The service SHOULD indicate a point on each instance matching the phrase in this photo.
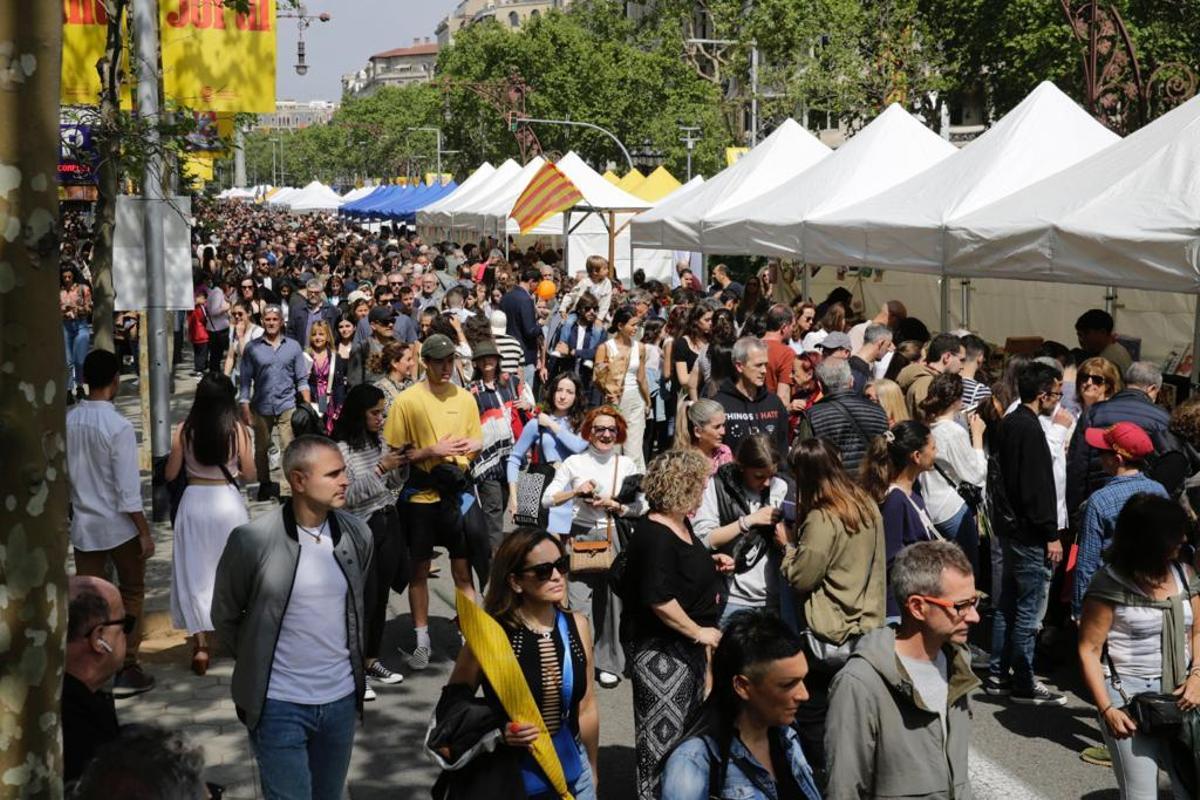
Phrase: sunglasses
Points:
(1099, 380)
(544, 571)
(599, 429)
(127, 623)
(960, 608)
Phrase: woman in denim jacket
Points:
(740, 743)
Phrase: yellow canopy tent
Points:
(611, 177)
(658, 184)
(631, 181)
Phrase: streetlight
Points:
(304, 19)
(690, 140)
(515, 122)
(647, 156)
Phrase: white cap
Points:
(499, 322)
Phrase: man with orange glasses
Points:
(899, 721)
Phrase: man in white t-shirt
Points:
(288, 600)
(899, 717)
(109, 522)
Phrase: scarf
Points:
(1109, 587)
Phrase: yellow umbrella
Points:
(489, 643)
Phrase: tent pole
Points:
(1195, 376)
(804, 271)
(566, 244)
(945, 315)
(612, 243)
(1110, 300)
(966, 304)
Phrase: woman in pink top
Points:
(214, 448)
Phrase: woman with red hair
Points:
(592, 480)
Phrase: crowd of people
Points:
(780, 522)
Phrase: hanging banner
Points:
(213, 133)
(198, 166)
(85, 31)
(215, 59)
(77, 155)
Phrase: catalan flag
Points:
(548, 193)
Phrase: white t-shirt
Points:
(1135, 639)
(931, 681)
(312, 656)
(102, 461)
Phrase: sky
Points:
(358, 29)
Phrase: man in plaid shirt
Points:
(1123, 449)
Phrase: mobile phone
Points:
(788, 507)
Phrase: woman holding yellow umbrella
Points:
(535, 666)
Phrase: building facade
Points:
(510, 13)
(402, 66)
(292, 115)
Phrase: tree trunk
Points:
(108, 144)
(33, 470)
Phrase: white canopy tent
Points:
(455, 214)
(665, 260)
(281, 197)
(891, 149)
(903, 227)
(681, 222)
(489, 213)
(438, 213)
(357, 193)
(1128, 216)
(316, 196)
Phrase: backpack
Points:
(1172, 469)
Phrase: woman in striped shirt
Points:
(375, 474)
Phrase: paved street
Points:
(1018, 752)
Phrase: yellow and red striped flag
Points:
(548, 193)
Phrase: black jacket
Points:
(460, 723)
(762, 414)
(523, 326)
(862, 372)
(1027, 474)
(89, 720)
(833, 419)
(1084, 473)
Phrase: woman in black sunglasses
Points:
(526, 589)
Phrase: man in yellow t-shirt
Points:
(434, 422)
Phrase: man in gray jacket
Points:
(288, 601)
(899, 720)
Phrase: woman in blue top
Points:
(889, 473)
(553, 431)
(740, 741)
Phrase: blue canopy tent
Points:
(407, 209)
(358, 207)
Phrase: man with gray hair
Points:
(749, 407)
(1136, 403)
(842, 417)
(146, 762)
(899, 720)
(876, 343)
(288, 600)
(315, 310)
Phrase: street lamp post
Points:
(526, 120)
(690, 140)
(303, 20)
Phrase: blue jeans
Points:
(1015, 624)
(732, 607)
(77, 337)
(584, 788)
(1137, 760)
(963, 529)
(303, 751)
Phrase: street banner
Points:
(129, 254)
(78, 159)
(548, 193)
(198, 166)
(215, 59)
(85, 31)
(213, 133)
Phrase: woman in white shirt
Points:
(960, 460)
(591, 480)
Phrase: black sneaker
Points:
(381, 674)
(132, 681)
(1039, 695)
(997, 687)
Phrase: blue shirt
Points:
(1097, 524)
(555, 447)
(277, 374)
(686, 776)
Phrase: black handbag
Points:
(971, 494)
(1155, 714)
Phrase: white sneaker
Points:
(419, 659)
(607, 680)
(369, 694)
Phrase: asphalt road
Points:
(1017, 752)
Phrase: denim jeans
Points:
(732, 607)
(585, 787)
(963, 530)
(303, 751)
(77, 337)
(1137, 760)
(1015, 625)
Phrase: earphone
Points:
(107, 647)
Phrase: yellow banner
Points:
(85, 31)
(432, 177)
(734, 154)
(198, 167)
(217, 60)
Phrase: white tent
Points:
(357, 193)
(488, 212)
(236, 193)
(454, 215)
(662, 266)
(892, 148)
(280, 197)
(438, 212)
(903, 227)
(1127, 216)
(681, 222)
(316, 196)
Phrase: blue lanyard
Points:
(568, 668)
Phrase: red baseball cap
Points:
(1124, 438)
